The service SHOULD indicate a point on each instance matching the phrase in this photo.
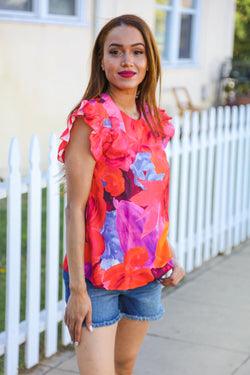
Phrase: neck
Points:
(125, 101)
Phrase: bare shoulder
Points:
(80, 131)
(79, 143)
(79, 163)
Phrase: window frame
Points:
(176, 11)
(41, 15)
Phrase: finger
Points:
(78, 331)
(88, 321)
(166, 283)
(71, 328)
(176, 276)
(66, 320)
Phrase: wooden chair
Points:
(183, 100)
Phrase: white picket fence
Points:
(36, 321)
(209, 214)
(210, 184)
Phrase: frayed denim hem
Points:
(105, 323)
(131, 317)
(144, 318)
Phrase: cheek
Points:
(143, 69)
(144, 65)
(110, 66)
(109, 72)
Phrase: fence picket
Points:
(217, 184)
(182, 225)
(201, 190)
(246, 182)
(209, 187)
(192, 191)
(224, 195)
(246, 173)
(52, 249)
(248, 138)
(233, 137)
(239, 177)
(33, 256)
(12, 315)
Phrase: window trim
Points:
(40, 15)
(175, 24)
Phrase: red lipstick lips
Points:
(127, 73)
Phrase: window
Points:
(70, 12)
(177, 30)
(25, 5)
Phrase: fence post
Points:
(13, 260)
(33, 256)
(52, 249)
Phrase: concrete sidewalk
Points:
(205, 330)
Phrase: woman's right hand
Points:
(78, 308)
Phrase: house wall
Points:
(215, 45)
(44, 69)
(43, 72)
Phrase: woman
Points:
(117, 212)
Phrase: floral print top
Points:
(127, 210)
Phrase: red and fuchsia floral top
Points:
(127, 210)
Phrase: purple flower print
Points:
(88, 269)
(130, 228)
(107, 123)
(144, 169)
(113, 253)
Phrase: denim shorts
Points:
(109, 306)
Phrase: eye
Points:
(114, 52)
(138, 52)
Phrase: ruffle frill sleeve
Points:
(94, 115)
(168, 127)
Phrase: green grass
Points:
(3, 233)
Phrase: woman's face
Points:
(124, 58)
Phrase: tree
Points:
(242, 30)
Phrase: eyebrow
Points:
(121, 45)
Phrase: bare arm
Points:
(178, 272)
(79, 166)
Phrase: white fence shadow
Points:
(209, 211)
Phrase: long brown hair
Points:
(98, 83)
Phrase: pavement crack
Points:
(242, 364)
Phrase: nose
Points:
(127, 60)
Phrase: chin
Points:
(127, 85)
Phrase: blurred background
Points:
(45, 55)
